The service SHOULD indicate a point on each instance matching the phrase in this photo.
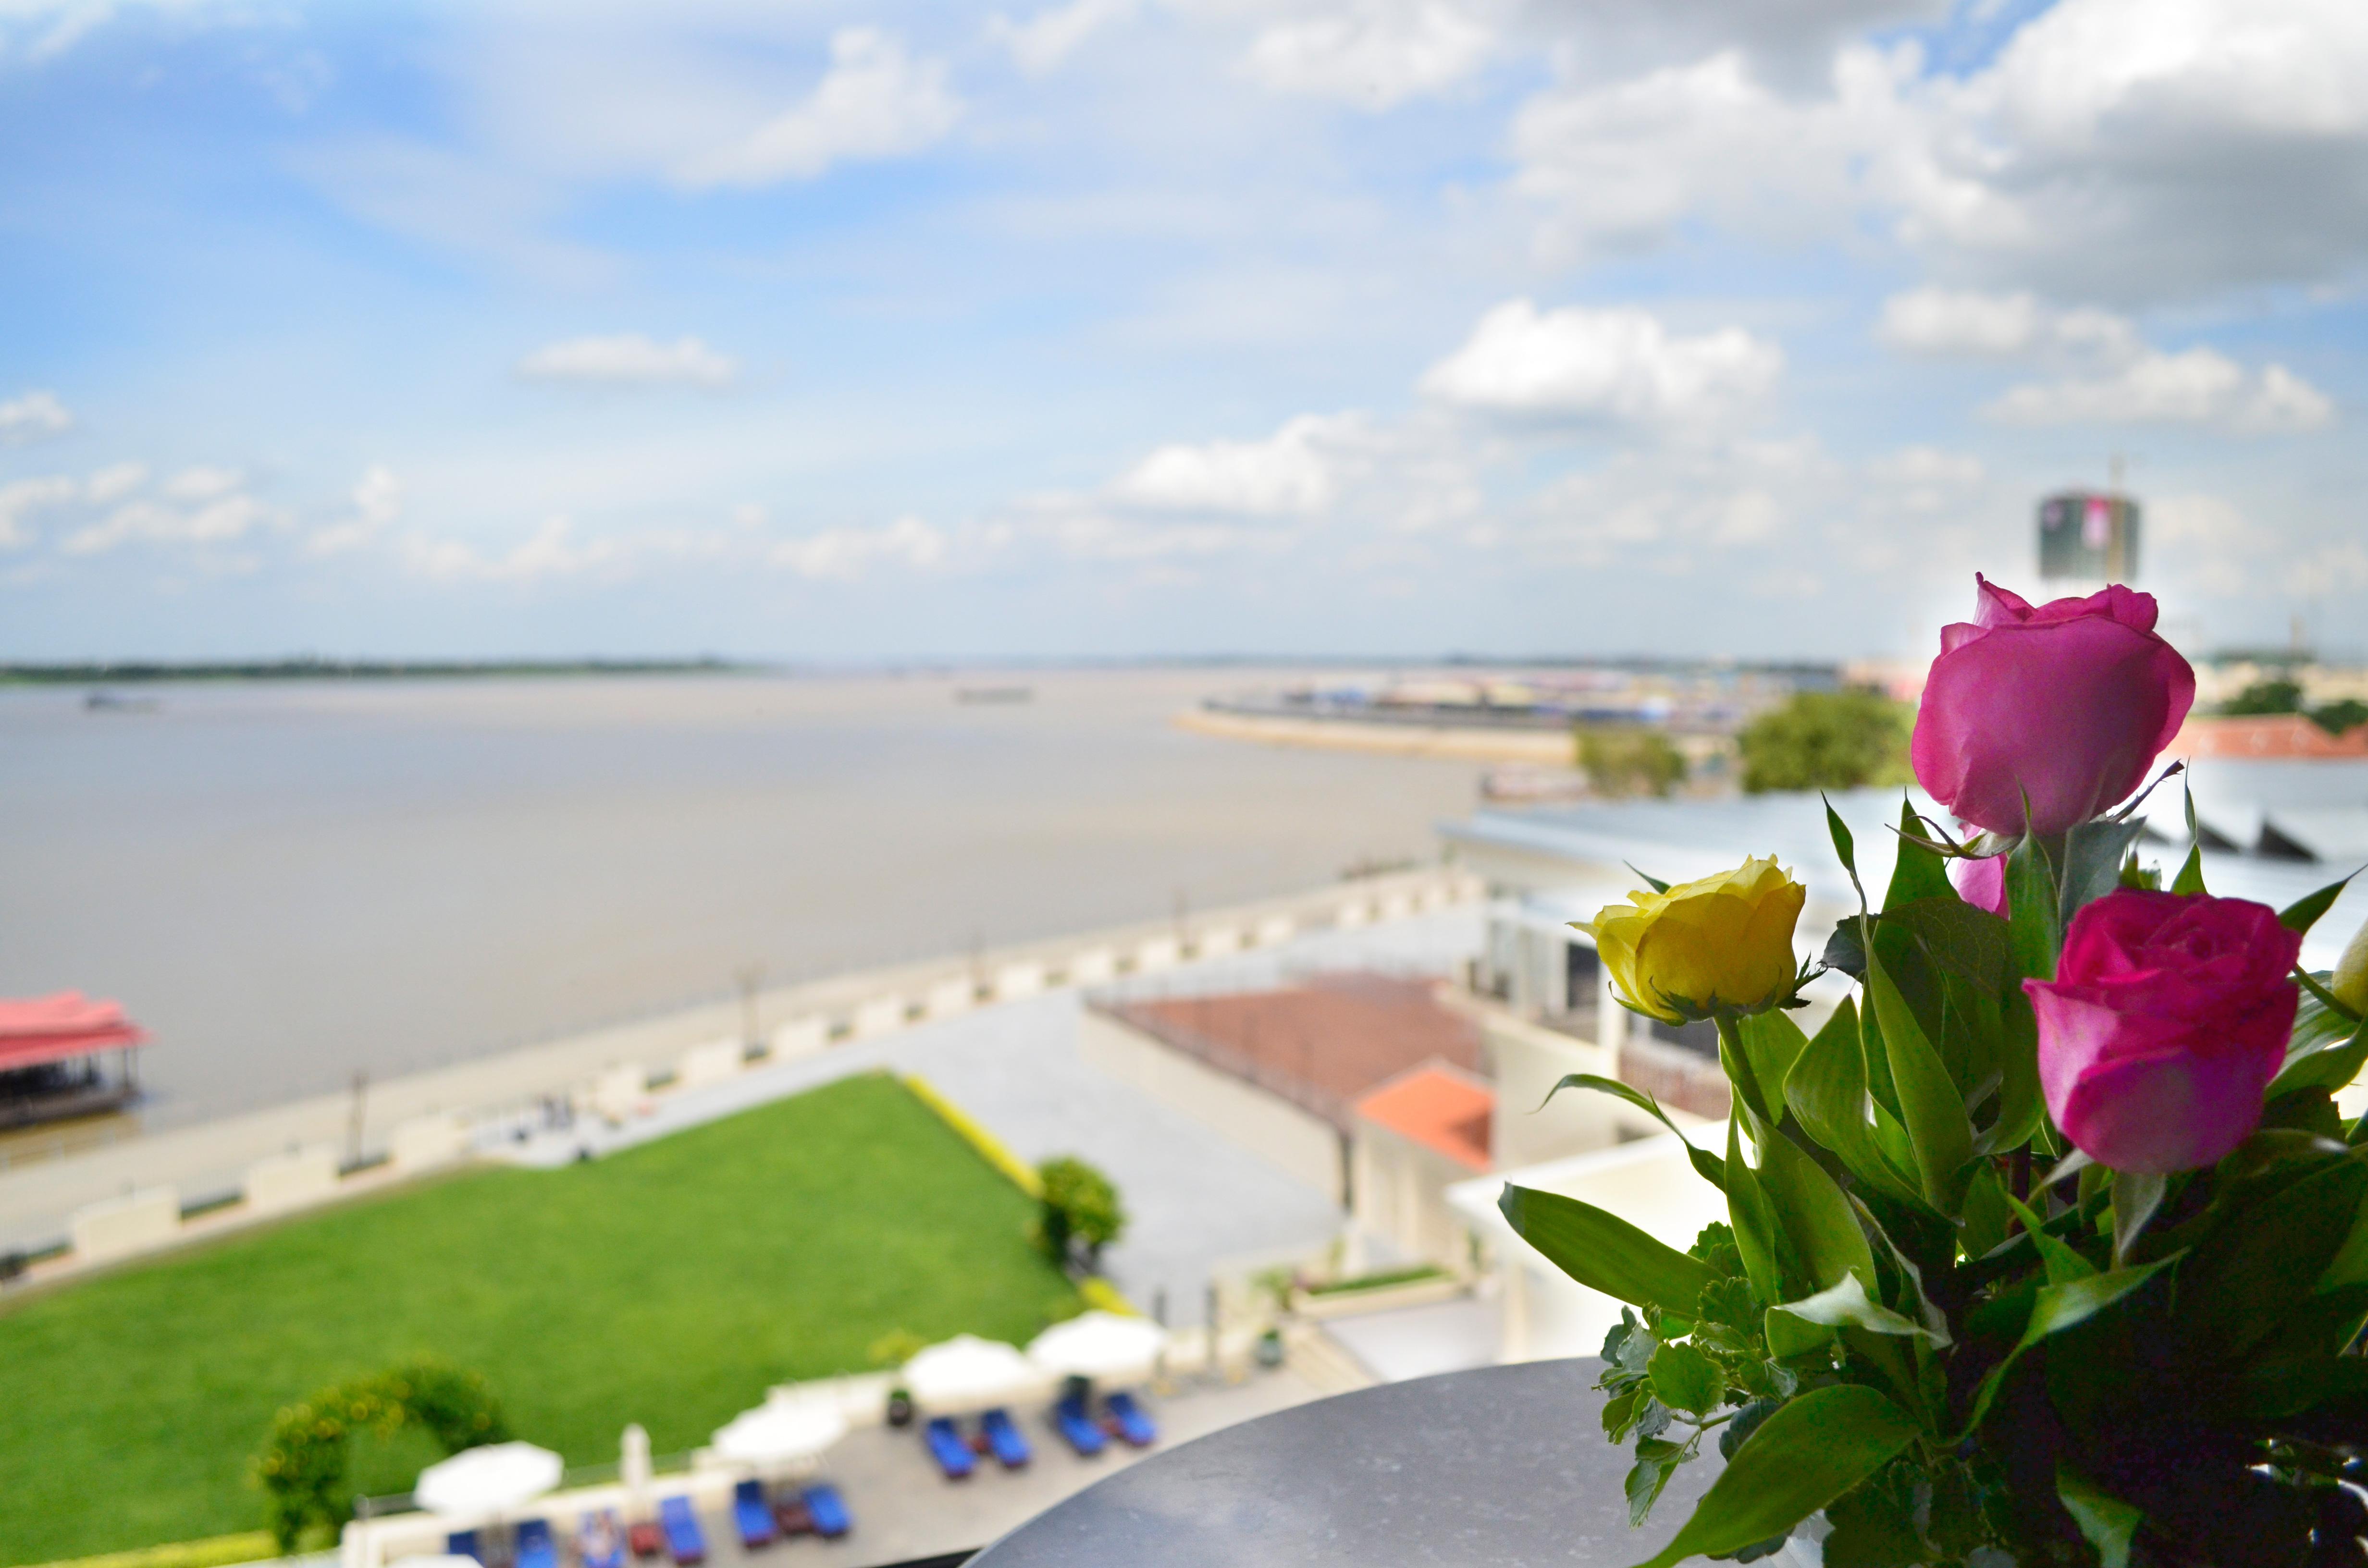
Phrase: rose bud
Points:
(2068, 704)
(1724, 943)
(2168, 1014)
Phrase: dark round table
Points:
(1503, 1466)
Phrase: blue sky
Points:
(1125, 327)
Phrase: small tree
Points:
(1826, 740)
(2341, 716)
(1626, 759)
(2277, 695)
(1081, 1212)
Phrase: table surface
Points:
(1503, 1466)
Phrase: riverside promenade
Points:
(815, 1020)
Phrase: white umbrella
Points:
(436, 1560)
(487, 1479)
(781, 1431)
(1101, 1345)
(969, 1373)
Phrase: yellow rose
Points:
(1723, 942)
(2349, 981)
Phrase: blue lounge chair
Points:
(1134, 1423)
(828, 1510)
(535, 1547)
(684, 1542)
(463, 1543)
(946, 1446)
(1070, 1417)
(599, 1542)
(754, 1516)
(1004, 1438)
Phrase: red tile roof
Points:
(1441, 1108)
(1320, 1044)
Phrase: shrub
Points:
(1081, 1213)
(302, 1465)
(1826, 740)
(2340, 718)
(2279, 696)
(1621, 759)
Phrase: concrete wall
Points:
(709, 1063)
(878, 1015)
(948, 998)
(1014, 981)
(118, 1227)
(1216, 940)
(1094, 966)
(1530, 1060)
(423, 1143)
(1158, 952)
(619, 1091)
(1401, 1198)
(1273, 930)
(801, 1036)
(1306, 1147)
(292, 1180)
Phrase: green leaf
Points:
(2136, 1196)
(1846, 949)
(1772, 1044)
(2057, 1307)
(1929, 1101)
(2304, 914)
(2033, 926)
(1811, 1451)
(1826, 1094)
(1789, 1335)
(2315, 990)
(1844, 846)
(2106, 1520)
(2243, 1276)
(2092, 862)
(1814, 1216)
(1685, 1379)
(1847, 1305)
(1972, 944)
(1919, 872)
(1605, 1251)
(1987, 1216)
(1751, 1217)
(2190, 873)
(1655, 1460)
(1656, 884)
(1711, 1168)
(2063, 1264)
(1619, 1411)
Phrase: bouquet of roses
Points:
(2049, 1246)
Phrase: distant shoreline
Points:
(142, 672)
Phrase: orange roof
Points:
(1442, 1108)
(2266, 734)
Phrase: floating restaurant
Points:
(55, 1061)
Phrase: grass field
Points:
(667, 1284)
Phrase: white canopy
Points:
(781, 1431)
(1102, 1346)
(487, 1479)
(970, 1374)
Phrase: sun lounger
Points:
(1003, 1438)
(1070, 1417)
(599, 1542)
(953, 1455)
(828, 1510)
(535, 1547)
(1134, 1423)
(463, 1543)
(684, 1541)
(758, 1527)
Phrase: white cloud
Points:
(203, 482)
(847, 554)
(20, 497)
(1293, 471)
(1959, 321)
(551, 550)
(377, 502)
(1374, 52)
(875, 101)
(1041, 43)
(2196, 386)
(113, 482)
(35, 416)
(630, 359)
(213, 522)
(1609, 364)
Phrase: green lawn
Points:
(668, 1284)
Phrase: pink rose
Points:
(2070, 703)
(2168, 1014)
(1981, 883)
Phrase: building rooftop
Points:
(1444, 1109)
(1322, 1043)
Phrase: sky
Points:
(1126, 328)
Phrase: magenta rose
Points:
(2168, 1014)
(1981, 883)
(2070, 702)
